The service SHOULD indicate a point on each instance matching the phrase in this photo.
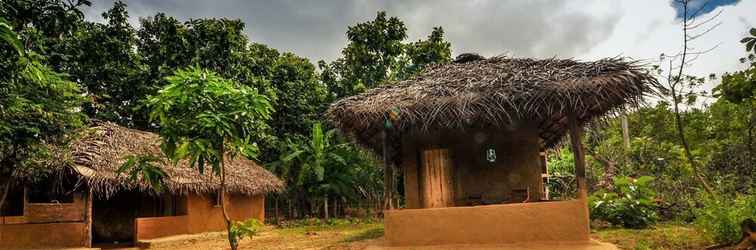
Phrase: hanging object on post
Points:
(491, 155)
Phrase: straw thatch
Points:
(102, 149)
(498, 92)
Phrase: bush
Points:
(720, 218)
(243, 229)
(631, 205)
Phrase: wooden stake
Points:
(576, 136)
(387, 174)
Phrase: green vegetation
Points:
(205, 118)
(38, 106)
(631, 205)
(660, 236)
(212, 92)
(720, 218)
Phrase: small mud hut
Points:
(89, 203)
(469, 139)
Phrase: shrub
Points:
(631, 205)
(242, 229)
(720, 218)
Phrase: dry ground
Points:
(367, 235)
(338, 236)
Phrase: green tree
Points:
(422, 53)
(321, 168)
(740, 88)
(38, 106)
(102, 59)
(376, 53)
(205, 118)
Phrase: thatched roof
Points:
(497, 92)
(102, 149)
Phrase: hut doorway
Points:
(114, 219)
(437, 180)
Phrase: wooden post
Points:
(387, 175)
(625, 132)
(88, 213)
(576, 136)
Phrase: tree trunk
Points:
(686, 146)
(232, 241)
(275, 205)
(325, 206)
(6, 188)
(625, 132)
(676, 100)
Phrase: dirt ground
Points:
(299, 237)
(368, 236)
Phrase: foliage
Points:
(242, 229)
(203, 117)
(143, 166)
(102, 59)
(631, 205)
(38, 106)
(323, 166)
(376, 53)
(750, 42)
(720, 217)
(561, 166)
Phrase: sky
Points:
(579, 29)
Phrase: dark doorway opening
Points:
(113, 221)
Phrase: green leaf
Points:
(9, 36)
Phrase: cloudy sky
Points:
(583, 29)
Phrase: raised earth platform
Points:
(548, 223)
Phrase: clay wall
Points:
(558, 221)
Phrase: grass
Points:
(660, 236)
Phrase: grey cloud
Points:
(316, 29)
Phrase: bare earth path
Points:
(300, 237)
(360, 236)
(368, 236)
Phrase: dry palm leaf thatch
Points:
(100, 150)
(497, 93)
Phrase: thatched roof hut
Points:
(101, 150)
(495, 92)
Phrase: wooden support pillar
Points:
(88, 200)
(388, 175)
(576, 136)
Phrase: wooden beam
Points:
(388, 187)
(576, 136)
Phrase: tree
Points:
(300, 99)
(740, 88)
(323, 166)
(205, 118)
(422, 53)
(376, 53)
(680, 86)
(102, 59)
(38, 106)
